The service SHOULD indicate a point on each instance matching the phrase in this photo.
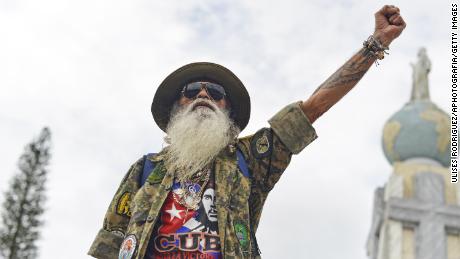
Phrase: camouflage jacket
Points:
(135, 209)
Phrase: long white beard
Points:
(196, 137)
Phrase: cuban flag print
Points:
(182, 233)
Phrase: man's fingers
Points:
(400, 22)
(391, 11)
(393, 7)
(387, 11)
(393, 18)
(396, 19)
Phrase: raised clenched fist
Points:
(388, 24)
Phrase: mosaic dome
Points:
(419, 129)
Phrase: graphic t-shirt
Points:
(182, 233)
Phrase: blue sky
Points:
(89, 69)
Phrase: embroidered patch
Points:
(123, 203)
(242, 233)
(157, 175)
(127, 247)
(261, 144)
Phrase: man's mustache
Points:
(203, 102)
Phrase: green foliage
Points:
(24, 201)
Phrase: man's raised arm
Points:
(388, 26)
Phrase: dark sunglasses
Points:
(215, 91)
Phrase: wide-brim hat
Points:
(170, 89)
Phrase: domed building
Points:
(417, 213)
(419, 130)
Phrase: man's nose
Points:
(203, 94)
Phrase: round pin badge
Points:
(127, 247)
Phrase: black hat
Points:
(170, 89)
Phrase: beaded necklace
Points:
(187, 195)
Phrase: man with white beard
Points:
(197, 132)
(168, 202)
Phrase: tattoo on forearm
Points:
(338, 84)
(350, 73)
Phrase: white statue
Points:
(420, 72)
